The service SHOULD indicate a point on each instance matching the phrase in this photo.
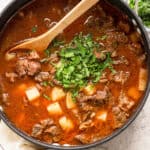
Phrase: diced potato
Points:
(142, 79)
(57, 93)
(32, 93)
(102, 115)
(69, 101)
(66, 124)
(134, 93)
(54, 109)
(89, 89)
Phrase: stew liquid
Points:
(84, 86)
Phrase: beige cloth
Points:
(11, 141)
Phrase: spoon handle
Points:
(75, 13)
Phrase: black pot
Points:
(10, 11)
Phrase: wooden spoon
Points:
(41, 42)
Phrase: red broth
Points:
(35, 98)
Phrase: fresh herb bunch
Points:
(143, 10)
(78, 63)
(132, 4)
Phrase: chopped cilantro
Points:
(79, 64)
(46, 97)
(47, 52)
(34, 28)
(57, 43)
(104, 37)
(47, 83)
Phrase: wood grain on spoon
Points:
(41, 42)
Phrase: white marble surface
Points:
(135, 137)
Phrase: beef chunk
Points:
(11, 76)
(47, 122)
(115, 38)
(84, 106)
(42, 76)
(57, 138)
(124, 102)
(124, 26)
(47, 128)
(27, 67)
(88, 115)
(83, 138)
(120, 111)
(53, 130)
(86, 120)
(120, 77)
(86, 124)
(37, 130)
(121, 60)
(99, 98)
(120, 116)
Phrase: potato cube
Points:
(66, 124)
(32, 93)
(57, 93)
(142, 79)
(89, 89)
(102, 115)
(54, 109)
(69, 101)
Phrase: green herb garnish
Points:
(47, 83)
(34, 29)
(104, 37)
(143, 10)
(79, 64)
(57, 43)
(47, 52)
(46, 97)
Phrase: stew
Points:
(84, 86)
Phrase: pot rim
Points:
(19, 4)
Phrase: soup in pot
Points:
(84, 86)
